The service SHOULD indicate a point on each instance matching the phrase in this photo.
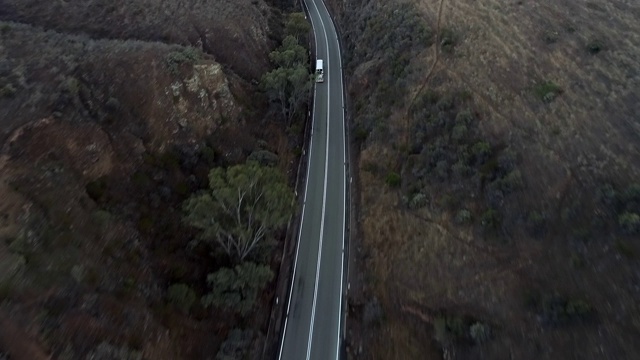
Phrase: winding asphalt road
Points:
(312, 328)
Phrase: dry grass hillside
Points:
(498, 165)
(233, 31)
(106, 130)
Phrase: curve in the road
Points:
(312, 324)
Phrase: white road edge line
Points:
(344, 186)
(304, 202)
(324, 196)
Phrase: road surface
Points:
(312, 328)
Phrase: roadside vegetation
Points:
(496, 198)
(112, 149)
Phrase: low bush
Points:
(418, 201)
(629, 222)
(174, 59)
(393, 179)
(594, 47)
(555, 310)
(8, 90)
(263, 157)
(463, 216)
(547, 91)
(181, 296)
(479, 332)
(97, 188)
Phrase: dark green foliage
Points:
(298, 26)
(536, 223)
(112, 105)
(557, 311)
(463, 216)
(237, 289)
(550, 36)
(97, 188)
(360, 133)
(4, 29)
(481, 151)
(237, 345)
(393, 179)
(480, 333)
(490, 219)
(448, 39)
(288, 85)
(625, 249)
(187, 55)
(547, 91)
(8, 90)
(594, 46)
(386, 36)
(418, 200)
(263, 157)
(449, 329)
(629, 222)
(181, 296)
(208, 155)
(241, 209)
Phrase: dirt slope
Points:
(105, 131)
(498, 184)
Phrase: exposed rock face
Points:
(104, 131)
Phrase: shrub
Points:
(550, 36)
(360, 133)
(5, 28)
(448, 39)
(463, 216)
(8, 90)
(458, 132)
(536, 223)
(97, 188)
(445, 103)
(263, 157)
(372, 314)
(480, 332)
(112, 105)
(418, 200)
(547, 91)
(393, 179)
(629, 222)
(481, 151)
(625, 249)
(237, 345)
(556, 310)
(490, 219)
(511, 182)
(174, 59)
(464, 117)
(208, 155)
(237, 289)
(181, 296)
(449, 329)
(594, 47)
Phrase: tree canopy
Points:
(244, 204)
(289, 83)
(237, 288)
(298, 26)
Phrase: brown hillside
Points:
(102, 140)
(235, 32)
(498, 219)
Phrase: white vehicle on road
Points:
(319, 71)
